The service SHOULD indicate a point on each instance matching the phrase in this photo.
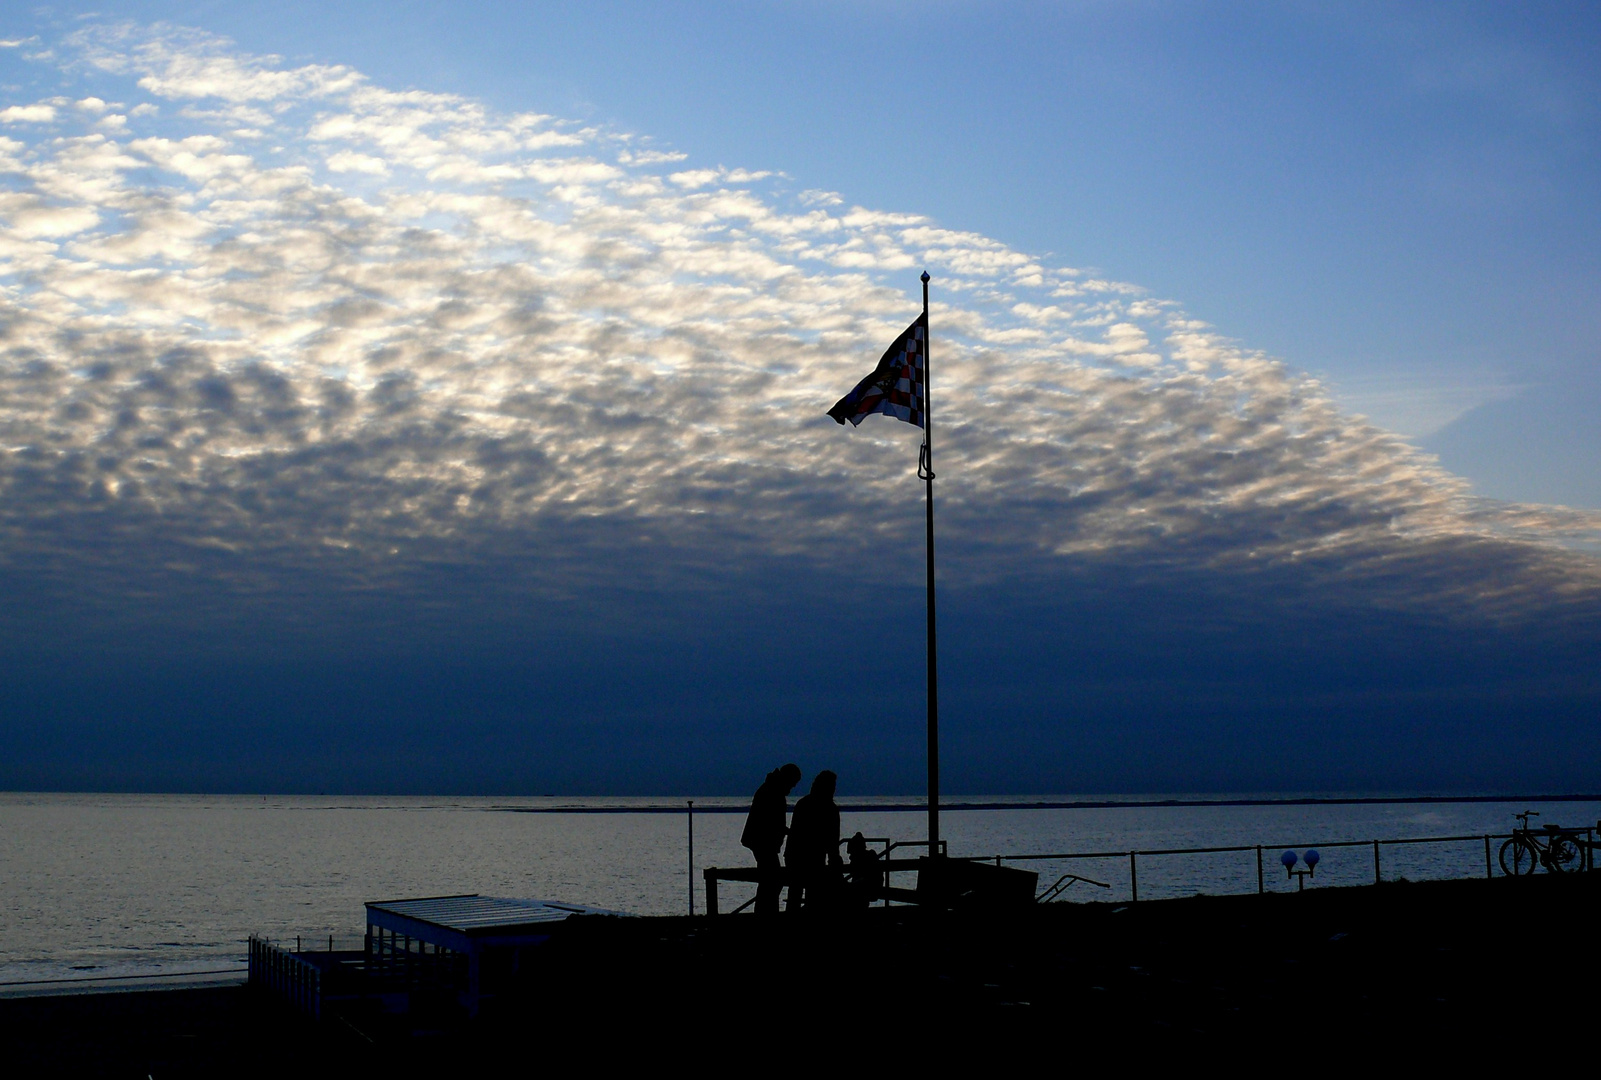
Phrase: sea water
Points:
(131, 885)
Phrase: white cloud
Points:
(651, 157)
(699, 178)
(27, 114)
(33, 218)
(694, 178)
(350, 161)
(219, 343)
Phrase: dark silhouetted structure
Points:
(812, 854)
(867, 875)
(765, 830)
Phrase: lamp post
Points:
(1300, 874)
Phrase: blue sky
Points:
(1397, 199)
(438, 392)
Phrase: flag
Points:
(896, 387)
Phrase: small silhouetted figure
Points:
(812, 854)
(867, 874)
(764, 833)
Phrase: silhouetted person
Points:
(764, 833)
(867, 873)
(812, 854)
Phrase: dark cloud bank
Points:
(677, 676)
(363, 441)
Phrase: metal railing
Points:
(888, 866)
(287, 975)
(1061, 884)
(749, 874)
(1134, 856)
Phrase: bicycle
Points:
(1561, 852)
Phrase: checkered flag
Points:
(896, 386)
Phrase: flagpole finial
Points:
(925, 276)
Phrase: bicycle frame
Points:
(1558, 850)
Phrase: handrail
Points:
(286, 973)
(887, 865)
(944, 845)
(1061, 884)
(1125, 853)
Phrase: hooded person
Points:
(812, 854)
(765, 831)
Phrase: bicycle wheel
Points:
(1518, 858)
(1565, 856)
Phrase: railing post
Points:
(1376, 876)
(1133, 879)
(1487, 855)
(1261, 885)
(711, 891)
(692, 858)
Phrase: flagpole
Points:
(925, 470)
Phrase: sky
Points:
(432, 400)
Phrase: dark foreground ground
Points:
(1347, 979)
